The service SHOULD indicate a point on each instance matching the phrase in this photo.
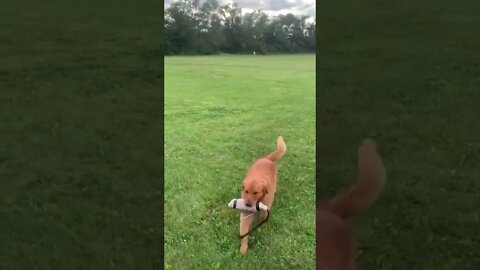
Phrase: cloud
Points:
(272, 7)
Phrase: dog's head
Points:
(253, 191)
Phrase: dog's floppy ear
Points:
(265, 189)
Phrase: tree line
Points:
(192, 28)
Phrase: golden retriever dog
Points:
(336, 245)
(259, 185)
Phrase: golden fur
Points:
(260, 185)
(336, 246)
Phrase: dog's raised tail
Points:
(281, 148)
(370, 181)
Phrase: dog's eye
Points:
(246, 191)
(255, 193)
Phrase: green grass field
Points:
(222, 113)
(80, 125)
(406, 73)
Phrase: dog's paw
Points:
(243, 249)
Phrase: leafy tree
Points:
(191, 28)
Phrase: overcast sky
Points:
(272, 7)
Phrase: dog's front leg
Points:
(268, 201)
(246, 220)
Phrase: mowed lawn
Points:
(408, 74)
(80, 128)
(222, 113)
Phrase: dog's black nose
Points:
(248, 205)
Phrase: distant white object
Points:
(253, 52)
(240, 205)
